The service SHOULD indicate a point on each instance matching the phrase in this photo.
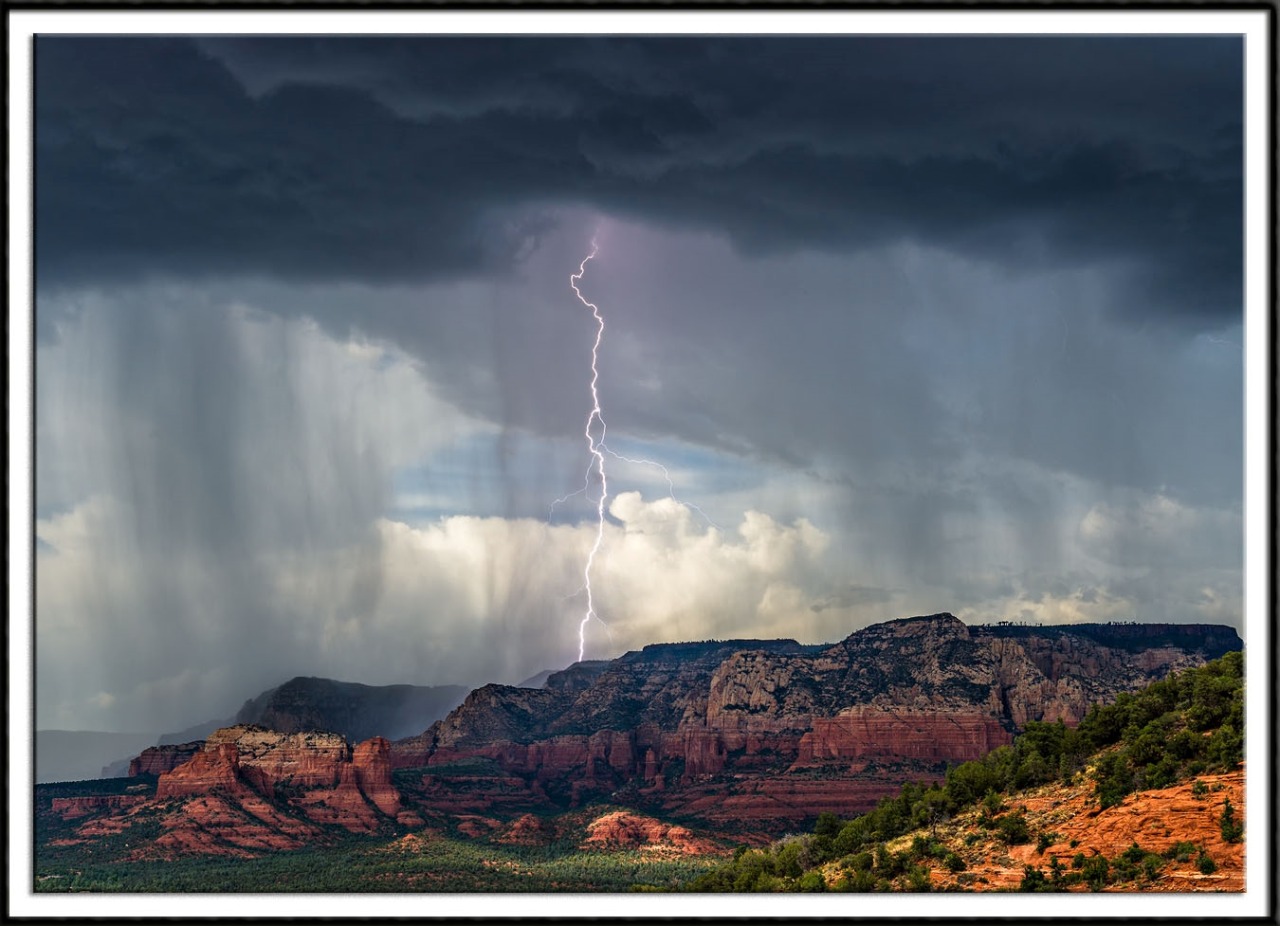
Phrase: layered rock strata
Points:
(317, 773)
(156, 760)
(779, 731)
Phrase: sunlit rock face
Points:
(771, 733)
(317, 773)
(156, 760)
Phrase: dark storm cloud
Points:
(385, 159)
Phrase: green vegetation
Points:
(1135, 865)
(1231, 828)
(446, 864)
(142, 784)
(393, 860)
(357, 864)
(1186, 725)
(1189, 724)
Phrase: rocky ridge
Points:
(770, 733)
(739, 739)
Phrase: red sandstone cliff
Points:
(250, 790)
(781, 731)
(317, 772)
(156, 760)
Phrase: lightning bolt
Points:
(596, 448)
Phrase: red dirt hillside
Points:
(1157, 820)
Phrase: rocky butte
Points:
(756, 736)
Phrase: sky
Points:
(911, 323)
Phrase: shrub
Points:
(862, 861)
(954, 863)
(1185, 745)
(766, 884)
(1160, 774)
(1078, 860)
(1206, 864)
(1055, 870)
(1135, 853)
(1114, 779)
(862, 882)
(1231, 829)
(918, 880)
(812, 882)
(1097, 872)
(1033, 879)
(828, 824)
(1225, 749)
(1199, 789)
(1123, 869)
(787, 861)
(1045, 840)
(1180, 851)
(1013, 829)
(993, 803)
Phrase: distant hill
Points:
(353, 710)
(79, 755)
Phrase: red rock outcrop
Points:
(156, 760)
(216, 768)
(234, 791)
(529, 830)
(371, 761)
(300, 760)
(217, 824)
(343, 804)
(70, 808)
(942, 736)
(625, 830)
